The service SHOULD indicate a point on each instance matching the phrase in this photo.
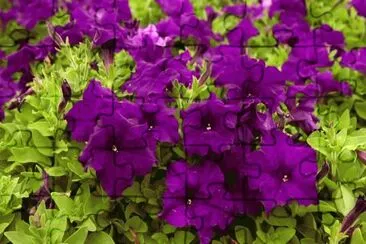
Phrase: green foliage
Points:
(147, 12)
(224, 23)
(264, 46)
(340, 17)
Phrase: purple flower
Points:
(176, 8)
(360, 6)
(242, 33)
(154, 79)
(252, 122)
(233, 165)
(285, 171)
(352, 216)
(29, 12)
(288, 6)
(118, 152)
(355, 59)
(195, 196)
(161, 122)
(209, 125)
(301, 110)
(8, 90)
(84, 114)
(239, 10)
(100, 20)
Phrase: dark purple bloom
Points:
(355, 59)
(285, 171)
(268, 87)
(175, 8)
(8, 90)
(323, 171)
(29, 12)
(84, 114)
(154, 79)
(303, 62)
(353, 215)
(239, 10)
(360, 6)
(195, 196)
(233, 166)
(160, 120)
(288, 6)
(301, 112)
(252, 122)
(290, 29)
(242, 33)
(146, 45)
(209, 125)
(118, 152)
(301, 109)
(100, 20)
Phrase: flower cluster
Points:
(236, 125)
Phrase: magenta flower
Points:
(209, 126)
(195, 196)
(283, 172)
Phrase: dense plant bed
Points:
(177, 121)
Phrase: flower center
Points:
(285, 178)
(208, 127)
(150, 127)
(189, 201)
(114, 148)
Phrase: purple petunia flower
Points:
(285, 171)
(252, 122)
(288, 6)
(160, 120)
(241, 33)
(118, 152)
(233, 165)
(175, 8)
(29, 12)
(8, 90)
(154, 79)
(209, 125)
(360, 6)
(195, 196)
(301, 110)
(355, 59)
(84, 114)
(100, 20)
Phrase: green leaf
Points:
(341, 137)
(357, 237)
(317, 141)
(284, 234)
(344, 199)
(360, 108)
(243, 235)
(344, 121)
(56, 171)
(183, 237)
(167, 229)
(28, 155)
(5, 221)
(78, 237)
(137, 224)
(161, 238)
(99, 238)
(17, 237)
(64, 203)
